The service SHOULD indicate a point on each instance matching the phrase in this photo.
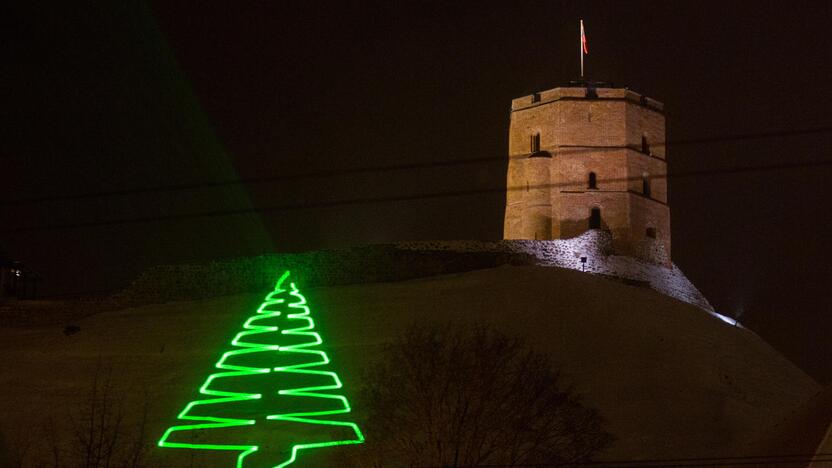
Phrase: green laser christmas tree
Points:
(271, 397)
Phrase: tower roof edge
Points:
(585, 90)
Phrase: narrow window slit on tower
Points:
(595, 218)
(651, 233)
(645, 148)
(535, 143)
(645, 185)
(593, 181)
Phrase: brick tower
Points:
(589, 156)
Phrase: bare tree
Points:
(455, 396)
(106, 429)
(16, 444)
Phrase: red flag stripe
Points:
(583, 39)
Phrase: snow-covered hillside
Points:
(672, 380)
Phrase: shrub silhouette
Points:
(469, 396)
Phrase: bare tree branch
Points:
(459, 395)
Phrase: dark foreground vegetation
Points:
(471, 396)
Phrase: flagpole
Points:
(581, 48)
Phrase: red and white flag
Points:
(583, 39)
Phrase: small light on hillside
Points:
(726, 319)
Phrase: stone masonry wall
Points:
(596, 246)
(368, 264)
(402, 261)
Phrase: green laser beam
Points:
(273, 306)
(314, 391)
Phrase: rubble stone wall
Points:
(402, 261)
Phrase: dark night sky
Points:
(124, 95)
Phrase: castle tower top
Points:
(589, 156)
(586, 90)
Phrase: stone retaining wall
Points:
(368, 264)
(596, 246)
(402, 261)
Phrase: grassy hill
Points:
(671, 380)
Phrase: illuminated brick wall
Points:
(557, 138)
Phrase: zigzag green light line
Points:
(250, 329)
(310, 417)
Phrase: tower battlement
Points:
(586, 157)
(580, 92)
